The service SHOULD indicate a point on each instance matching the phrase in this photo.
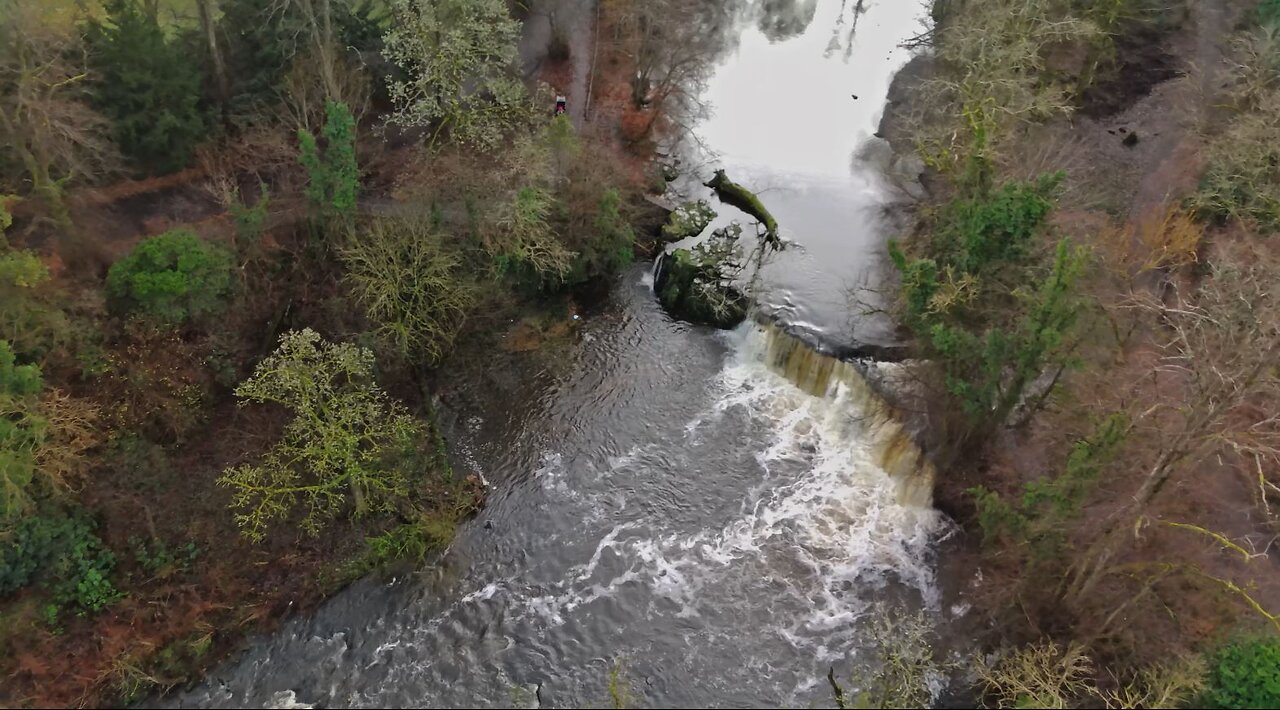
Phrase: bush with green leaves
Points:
(171, 278)
(974, 233)
(333, 178)
(28, 321)
(411, 541)
(6, 216)
(29, 317)
(251, 220)
(159, 559)
(62, 553)
(1245, 674)
(347, 441)
(1037, 522)
(147, 85)
(43, 438)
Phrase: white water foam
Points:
(287, 699)
(823, 527)
(814, 539)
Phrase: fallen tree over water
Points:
(731, 193)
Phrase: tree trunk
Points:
(357, 492)
(222, 85)
(328, 52)
(321, 21)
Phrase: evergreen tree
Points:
(147, 86)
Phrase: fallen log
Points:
(731, 193)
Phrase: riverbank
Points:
(179, 587)
(1133, 141)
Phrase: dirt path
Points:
(575, 21)
(1176, 160)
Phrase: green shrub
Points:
(993, 227)
(1049, 502)
(157, 558)
(1246, 674)
(62, 553)
(29, 317)
(83, 576)
(410, 541)
(251, 221)
(988, 313)
(171, 278)
(31, 323)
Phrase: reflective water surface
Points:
(661, 495)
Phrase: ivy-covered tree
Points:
(147, 85)
(171, 278)
(458, 62)
(332, 173)
(347, 440)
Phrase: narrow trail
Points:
(575, 22)
(1177, 158)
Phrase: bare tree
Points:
(44, 121)
(317, 22)
(1213, 391)
(320, 67)
(674, 44)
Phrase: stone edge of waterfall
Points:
(899, 440)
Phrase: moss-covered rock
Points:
(687, 220)
(699, 284)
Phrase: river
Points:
(719, 514)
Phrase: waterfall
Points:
(821, 374)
